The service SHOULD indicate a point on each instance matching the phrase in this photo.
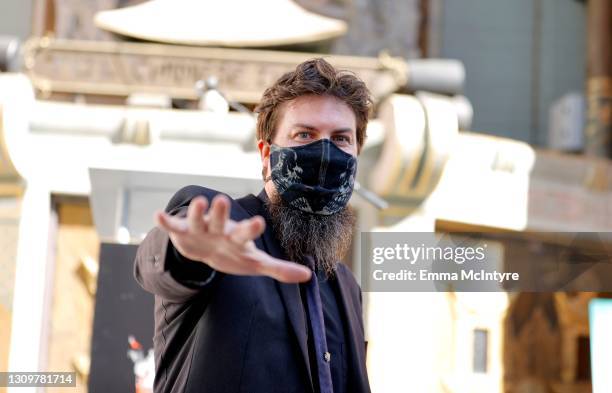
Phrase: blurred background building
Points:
(491, 116)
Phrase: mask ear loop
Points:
(267, 179)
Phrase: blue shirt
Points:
(334, 332)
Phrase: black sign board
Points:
(123, 309)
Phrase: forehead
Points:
(318, 111)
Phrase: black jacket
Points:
(216, 332)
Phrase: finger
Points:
(219, 214)
(230, 225)
(195, 214)
(248, 229)
(170, 223)
(283, 271)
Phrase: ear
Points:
(264, 152)
(264, 149)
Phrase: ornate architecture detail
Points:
(120, 69)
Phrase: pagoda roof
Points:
(229, 23)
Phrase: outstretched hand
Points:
(226, 245)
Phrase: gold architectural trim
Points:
(120, 68)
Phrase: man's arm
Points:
(186, 252)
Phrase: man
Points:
(249, 293)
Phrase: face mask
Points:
(316, 178)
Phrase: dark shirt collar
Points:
(263, 196)
(263, 200)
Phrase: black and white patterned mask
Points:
(316, 178)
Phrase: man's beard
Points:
(326, 238)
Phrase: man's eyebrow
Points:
(306, 126)
(311, 128)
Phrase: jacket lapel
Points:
(290, 293)
(355, 340)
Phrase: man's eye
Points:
(303, 135)
(342, 139)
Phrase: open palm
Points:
(226, 245)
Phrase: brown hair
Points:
(315, 76)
